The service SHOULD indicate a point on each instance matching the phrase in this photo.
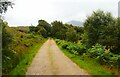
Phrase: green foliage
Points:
(71, 35)
(82, 49)
(65, 31)
(57, 27)
(33, 29)
(72, 47)
(80, 31)
(100, 18)
(103, 55)
(6, 40)
(6, 37)
(57, 30)
(42, 31)
(96, 23)
(101, 28)
(91, 65)
(26, 60)
(96, 52)
(14, 51)
(43, 28)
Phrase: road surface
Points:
(50, 60)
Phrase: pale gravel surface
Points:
(50, 60)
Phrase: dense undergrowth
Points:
(20, 49)
(26, 60)
(95, 59)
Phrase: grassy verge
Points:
(92, 66)
(27, 59)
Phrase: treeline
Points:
(57, 30)
(101, 27)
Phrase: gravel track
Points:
(50, 60)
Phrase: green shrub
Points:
(103, 56)
(65, 45)
(82, 49)
(96, 51)
(72, 47)
(30, 36)
(58, 41)
(14, 52)
(114, 60)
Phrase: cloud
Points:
(27, 12)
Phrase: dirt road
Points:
(51, 61)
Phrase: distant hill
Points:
(75, 23)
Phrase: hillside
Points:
(75, 23)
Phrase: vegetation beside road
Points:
(19, 47)
(90, 62)
(22, 67)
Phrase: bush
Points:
(72, 47)
(96, 51)
(30, 36)
(15, 45)
(103, 56)
(65, 45)
(114, 60)
(58, 41)
(82, 49)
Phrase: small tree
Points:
(57, 26)
(96, 25)
(47, 27)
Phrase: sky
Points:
(27, 12)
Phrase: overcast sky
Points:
(27, 12)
